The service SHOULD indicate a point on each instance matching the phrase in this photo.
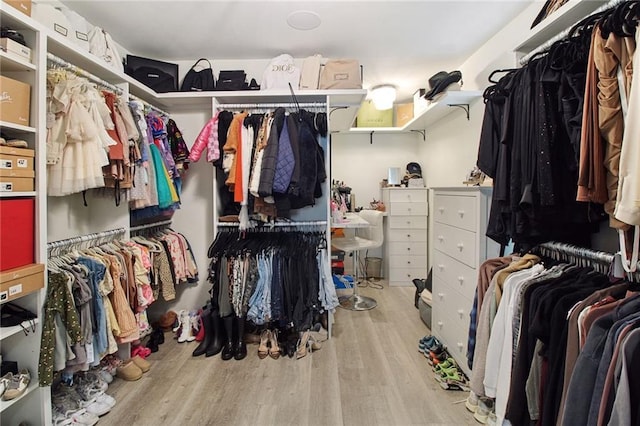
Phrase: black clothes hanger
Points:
(505, 70)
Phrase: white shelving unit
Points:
(33, 407)
(567, 15)
(451, 101)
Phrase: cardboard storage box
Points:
(404, 114)
(16, 162)
(16, 184)
(23, 6)
(14, 48)
(15, 99)
(19, 282)
(369, 116)
(17, 228)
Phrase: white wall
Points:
(194, 219)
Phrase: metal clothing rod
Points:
(103, 236)
(278, 224)
(575, 254)
(148, 105)
(274, 105)
(150, 225)
(79, 71)
(563, 34)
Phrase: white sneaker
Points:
(472, 402)
(98, 408)
(85, 418)
(107, 400)
(485, 406)
(17, 385)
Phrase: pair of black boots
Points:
(228, 340)
(234, 346)
(213, 338)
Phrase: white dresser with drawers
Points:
(405, 238)
(459, 247)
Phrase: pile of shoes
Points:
(447, 372)
(82, 400)
(483, 409)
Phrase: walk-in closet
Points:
(319, 213)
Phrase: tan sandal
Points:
(263, 349)
(274, 350)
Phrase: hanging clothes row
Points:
(273, 277)
(98, 293)
(537, 336)
(96, 139)
(541, 136)
(267, 163)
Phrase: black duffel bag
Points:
(160, 76)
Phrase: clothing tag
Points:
(51, 119)
(90, 355)
(618, 270)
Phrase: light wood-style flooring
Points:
(369, 373)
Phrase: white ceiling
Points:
(398, 42)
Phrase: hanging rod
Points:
(273, 105)
(79, 71)
(148, 105)
(105, 236)
(164, 223)
(576, 252)
(564, 33)
(278, 224)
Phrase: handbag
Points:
(160, 76)
(232, 80)
(198, 80)
(341, 74)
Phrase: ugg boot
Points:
(229, 346)
(185, 327)
(205, 323)
(241, 346)
(194, 322)
(217, 334)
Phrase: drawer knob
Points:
(440, 324)
(460, 345)
(441, 209)
(441, 295)
(409, 209)
(461, 213)
(408, 248)
(408, 275)
(460, 246)
(441, 267)
(408, 235)
(408, 262)
(408, 222)
(461, 313)
(440, 238)
(461, 279)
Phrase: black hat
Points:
(414, 170)
(440, 81)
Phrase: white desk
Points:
(351, 220)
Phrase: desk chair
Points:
(366, 238)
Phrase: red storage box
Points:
(16, 232)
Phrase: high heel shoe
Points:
(263, 349)
(274, 349)
(303, 344)
(314, 345)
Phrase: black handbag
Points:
(198, 81)
(160, 76)
(232, 80)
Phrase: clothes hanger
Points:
(499, 71)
